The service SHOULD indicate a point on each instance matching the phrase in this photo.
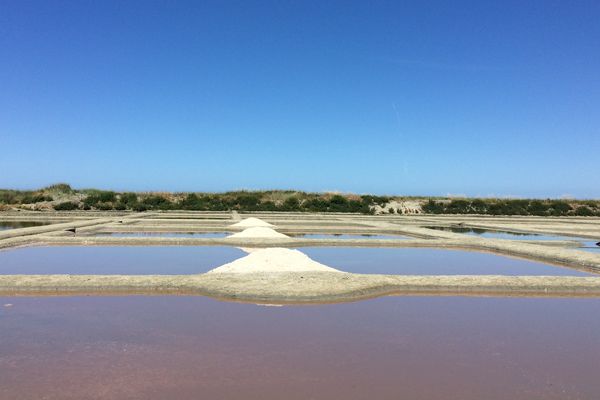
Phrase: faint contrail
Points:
(397, 118)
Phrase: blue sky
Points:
(417, 98)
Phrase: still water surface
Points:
(586, 243)
(198, 259)
(347, 236)
(23, 224)
(422, 261)
(165, 234)
(390, 348)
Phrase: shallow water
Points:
(423, 261)
(590, 246)
(105, 260)
(197, 259)
(23, 224)
(346, 236)
(389, 348)
(492, 234)
(165, 234)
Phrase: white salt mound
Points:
(258, 232)
(249, 250)
(251, 222)
(273, 260)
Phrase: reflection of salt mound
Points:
(273, 260)
(249, 249)
(258, 233)
(251, 223)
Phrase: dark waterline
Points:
(389, 348)
(192, 260)
(493, 234)
(23, 224)
(347, 236)
(165, 234)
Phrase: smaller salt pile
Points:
(273, 260)
(252, 223)
(249, 250)
(259, 233)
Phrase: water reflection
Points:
(423, 261)
(165, 234)
(198, 259)
(346, 236)
(23, 224)
(388, 348)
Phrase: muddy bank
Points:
(297, 287)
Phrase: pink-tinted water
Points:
(389, 348)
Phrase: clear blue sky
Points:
(422, 98)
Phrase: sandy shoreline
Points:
(299, 287)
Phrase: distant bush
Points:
(128, 198)
(66, 206)
(155, 202)
(291, 204)
(584, 211)
(140, 207)
(248, 201)
(7, 196)
(37, 198)
(433, 207)
(59, 188)
(100, 199)
(104, 206)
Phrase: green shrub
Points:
(155, 202)
(128, 198)
(59, 188)
(66, 206)
(140, 208)
(584, 211)
(433, 207)
(291, 204)
(536, 207)
(37, 198)
(7, 197)
(104, 206)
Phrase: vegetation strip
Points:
(61, 197)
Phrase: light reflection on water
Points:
(198, 259)
(387, 348)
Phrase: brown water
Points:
(346, 236)
(389, 348)
(165, 234)
(23, 224)
(197, 259)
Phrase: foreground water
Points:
(198, 259)
(389, 348)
